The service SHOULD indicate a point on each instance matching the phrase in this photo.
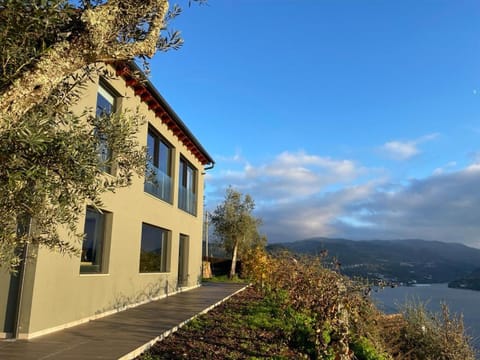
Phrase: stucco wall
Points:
(61, 295)
(6, 305)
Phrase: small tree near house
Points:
(235, 226)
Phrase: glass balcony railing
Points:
(158, 184)
(187, 200)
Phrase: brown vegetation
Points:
(296, 308)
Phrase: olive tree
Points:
(49, 163)
(235, 226)
(60, 38)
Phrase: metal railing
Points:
(187, 200)
(158, 184)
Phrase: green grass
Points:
(226, 279)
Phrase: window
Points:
(158, 180)
(187, 197)
(155, 249)
(105, 107)
(183, 245)
(93, 246)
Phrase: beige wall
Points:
(6, 320)
(61, 295)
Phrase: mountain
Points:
(471, 281)
(406, 261)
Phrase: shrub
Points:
(325, 307)
(434, 336)
(328, 316)
(365, 350)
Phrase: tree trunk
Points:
(234, 261)
(34, 86)
(97, 43)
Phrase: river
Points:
(459, 301)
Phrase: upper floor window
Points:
(93, 259)
(105, 101)
(158, 180)
(187, 189)
(105, 107)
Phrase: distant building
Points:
(144, 244)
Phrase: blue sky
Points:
(356, 119)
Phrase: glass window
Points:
(105, 101)
(158, 180)
(155, 249)
(183, 246)
(93, 242)
(105, 107)
(187, 197)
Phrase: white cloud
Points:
(310, 217)
(401, 150)
(301, 195)
(404, 150)
(288, 176)
(444, 207)
(447, 167)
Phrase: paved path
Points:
(123, 335)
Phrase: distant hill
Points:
(471, 281)
(410, 260)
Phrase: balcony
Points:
(158, 184)
(187, 200)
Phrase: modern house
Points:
(144, 244)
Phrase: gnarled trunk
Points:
(234, 260)
(36, 85)
(98, 42)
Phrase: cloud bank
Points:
(301, 195)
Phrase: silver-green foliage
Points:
(49, 163)
(235, 225)
(50, 169)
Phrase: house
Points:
(144, 244)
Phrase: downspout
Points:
(210, 167)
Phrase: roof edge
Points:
(156, 102)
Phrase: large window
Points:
(93, 246)
(155, 249)
(187, 192)
(105, 107)
(183, 246)
(158, 179)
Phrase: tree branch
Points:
(98, 41)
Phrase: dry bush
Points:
(341, 313)
(341, 322)
(430, 336)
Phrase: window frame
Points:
(183, 259)
(158, 168)
(189, 206)
(105, 87)
(165, 240)
(96, 266)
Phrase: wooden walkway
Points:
(123, 335)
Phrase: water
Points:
(459, 301)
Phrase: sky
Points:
(341, 118)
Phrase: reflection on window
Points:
(93, 242)
(155, 249)
(105, 107)
(187, 197)
(158, 180)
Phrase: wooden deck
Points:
(123, 335)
